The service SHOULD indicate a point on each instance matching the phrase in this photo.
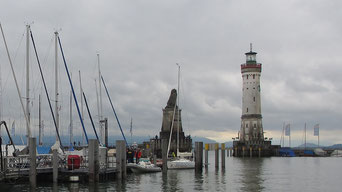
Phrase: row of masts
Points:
(27, 110)
(282, 139)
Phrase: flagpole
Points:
(283, 133)
(318, 140)
(290, 136)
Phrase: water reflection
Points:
(251, 171)
(199, 179)
(74, 187)
(173, 180)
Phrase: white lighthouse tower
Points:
(251, 131)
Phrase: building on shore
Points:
(251, 140)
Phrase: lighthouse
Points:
(251, 130)
(251, 141)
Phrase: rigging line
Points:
(36, 84)
(172, 123)
(186, 114)
(72, 88)
(91, 119)
(16, 83)
(47, 94)
(15, 56)
(117, 119)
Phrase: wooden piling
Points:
(216, 155)
(55, 165)
(250, 152)
(243, 151)
(206, 149)
(32, 153)
(155, 159)
(93, 160)
(121, 159)
(106, 131)
(259, 152)
(198, 156)
(1, 159)
(164, 155)
(223, 156)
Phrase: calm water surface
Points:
(240, 174)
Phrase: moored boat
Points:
(336, 153)
(143, 167)
(181, 164)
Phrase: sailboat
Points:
(181, 162)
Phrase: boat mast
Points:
(81, 92)
(40, 122)
(0, 97)
(178, 117)
(282, 136)
(305, 135)
(290, 136)
(70, 126)
(131, 129)
(98, 109)
(56, 81)
(28, 79)
(16, 82)
(100, 92)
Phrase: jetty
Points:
(97, 163)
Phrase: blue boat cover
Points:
(43, 150)
(308, 152)
(286, 152)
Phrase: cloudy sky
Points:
(299, 44)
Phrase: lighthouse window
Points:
(254, 125)
(247, 76)
(247, 110)
(253, 76)
(253, 98)
(246, 125)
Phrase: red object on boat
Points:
(74, 162)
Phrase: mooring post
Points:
(198, 156)
(93, 160)
(250, 152)
(121, 159)
(206, 149)
(155, 159)
(106, 131)
(228, 152)
(216, 155)
(1, 160)
(164, 154)
(55, 165)
(124, 159)
(243, 151)
(259, 152)
(32, 153)
(223, 157)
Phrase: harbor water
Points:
(240, 174)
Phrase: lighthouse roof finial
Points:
(251, 50)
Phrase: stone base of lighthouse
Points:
(255, 149)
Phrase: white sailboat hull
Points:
(181, 164)
(143, 168)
